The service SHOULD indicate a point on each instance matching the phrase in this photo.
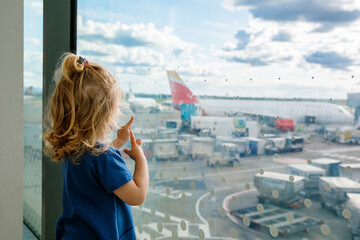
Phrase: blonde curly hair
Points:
(81, 109)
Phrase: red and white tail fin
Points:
(179, 91)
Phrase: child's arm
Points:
(135, 191)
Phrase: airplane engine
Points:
(285, 124)
(309, 119)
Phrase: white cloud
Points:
(37, 7)
(33, 41)
(141, 49)
(263, 50)
(138, 34)
(120, 55)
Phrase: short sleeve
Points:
(112, 170)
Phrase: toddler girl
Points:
(97, 186)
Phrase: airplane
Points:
(284, 113)
(142, 104)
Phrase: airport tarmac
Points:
(189, 200)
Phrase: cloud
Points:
(282, 36)
(37, 7)
(329, 60)
(119, 55)
(130, 45)
(243, 39)
(33, 41)
(33, 69)
(291, 44)
(252, 61)
(133, 35)
(328, 14)
(138, 49)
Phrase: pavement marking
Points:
(174, 194)
(338, 150)
(340, 156)
(166, 233)
(205, 224)
(222, 173)
(227, 201)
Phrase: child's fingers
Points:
(132, 137)
(138, 141)
(125, 150)
(130, 122)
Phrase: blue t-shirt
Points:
(90, 208)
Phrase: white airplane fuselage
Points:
(323, 113)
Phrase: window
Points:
(240, 76)
(32, 114)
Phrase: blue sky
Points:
(257, 48)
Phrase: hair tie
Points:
(83, 60)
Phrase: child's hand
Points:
(136, 150)
(123, 134)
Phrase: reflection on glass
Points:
(247, 114)
(32, 114)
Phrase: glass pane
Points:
(242, 108)
(33, 23)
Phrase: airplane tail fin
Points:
(179, 91)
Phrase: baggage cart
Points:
(145, 133)
(281, 183)
(225, 154)
(166, 133)
(240, 143)
(275, 145)
(353, 205)
(202, 147)
(311, 175)
(294, 144)
(273, 216)
(350, 170)
(333, 192)
(330, 165)
(185, 144)
(255, 146)
(165, 149)
(148, 148)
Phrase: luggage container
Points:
(333, 192)
(225, 154)
(165, 149)
(353, 205)
(275, 145)
(331, 166)
(255, 146)
(227, 126)
(275, 217)
(240, 143)
(145, 133)
(173, 124)
(148, 148)
(166, 133)
(294, 144)
(351, 171)
(185, 143)
(311, 175)
(285, 124)
(202, 147)
(286, 189)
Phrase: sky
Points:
(245, 48)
